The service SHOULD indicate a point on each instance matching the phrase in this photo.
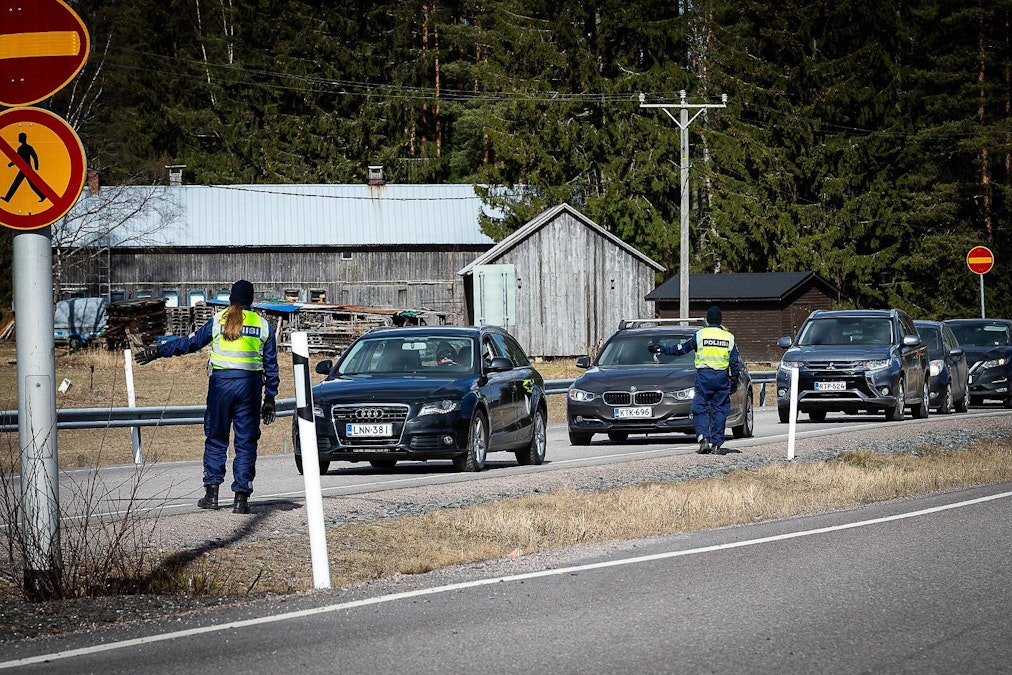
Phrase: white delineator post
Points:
(135, 432)
(793, 425)
(310, 459)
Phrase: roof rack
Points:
(625, 324)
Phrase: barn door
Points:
(495, 295)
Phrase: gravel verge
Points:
(21, 621)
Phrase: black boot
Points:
(210, 498)
(241, 503)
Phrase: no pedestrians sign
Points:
(42, 168)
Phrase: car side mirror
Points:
(785, 342)
(499, 364)
(956, 351)
(911, 340)
(583, 362)
(324, 366)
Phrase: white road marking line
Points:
(393, 597)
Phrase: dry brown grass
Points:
(414, 545)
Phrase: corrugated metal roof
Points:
(299, 215)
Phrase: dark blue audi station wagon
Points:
(429, 392)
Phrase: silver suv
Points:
(855, 360)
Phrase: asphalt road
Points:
(174, 487)
(920, 585)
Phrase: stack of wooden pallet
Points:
(179, 320)
(134, 323)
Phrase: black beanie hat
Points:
(242, 293)
(713, 316)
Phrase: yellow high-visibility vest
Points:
(713, 348)
(246, 353)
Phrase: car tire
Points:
(618, 436)
(948, 404)
(383, 463)
(75, 342)
(579, 438)
(324, 465)
(534, 453)
(976, 400)
(962, 405)
(747, 427)
(817, 415)
(473, 458)
(920, 411)
(785, 414)
(895, 414)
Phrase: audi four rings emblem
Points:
(368, 414)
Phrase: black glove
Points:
(268, 412)
(147, 355)
(654, 348)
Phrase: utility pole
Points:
(683, 246)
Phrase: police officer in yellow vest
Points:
(243, 365)
(717, 368)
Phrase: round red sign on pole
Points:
(42, 168)
(980, 260)
(43, 45)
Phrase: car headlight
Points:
(792, 364)
(683, 394)
(318, 411)
(875, 364)
(439, 407)
(994, 363)
(581, 396)
(935, 367)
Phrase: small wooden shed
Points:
(758, 307)
(560, 284)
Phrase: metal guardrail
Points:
(163, 416)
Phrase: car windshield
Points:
(438, 357)
(981, 334)
(631, 350)
(846, 331)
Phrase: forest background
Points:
(870, 142)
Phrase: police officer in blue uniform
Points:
(717, 367)
(243, 365)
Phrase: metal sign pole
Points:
(982, 315)
(36, 356)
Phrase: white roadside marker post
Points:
(793, 425)
(135, 432)
(310, 459)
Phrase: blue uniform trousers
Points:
(233, 400)
(711, 403)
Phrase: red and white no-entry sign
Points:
(980, 260)
(42, 168)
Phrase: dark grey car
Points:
(626, 390)
(949, 373)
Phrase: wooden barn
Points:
(369, 245)
(560, 284)
(758, 308)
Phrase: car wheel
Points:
(534, 453)
(324, 467)
(785, 414)
(976, 400)
(477, 445)
(578, 438)
(920, 411)
(747, 426)
(383, 463)
(817, 416)
(618, 436)
(947, 403)
(75, 343)
(962, 405)
(895, 413)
